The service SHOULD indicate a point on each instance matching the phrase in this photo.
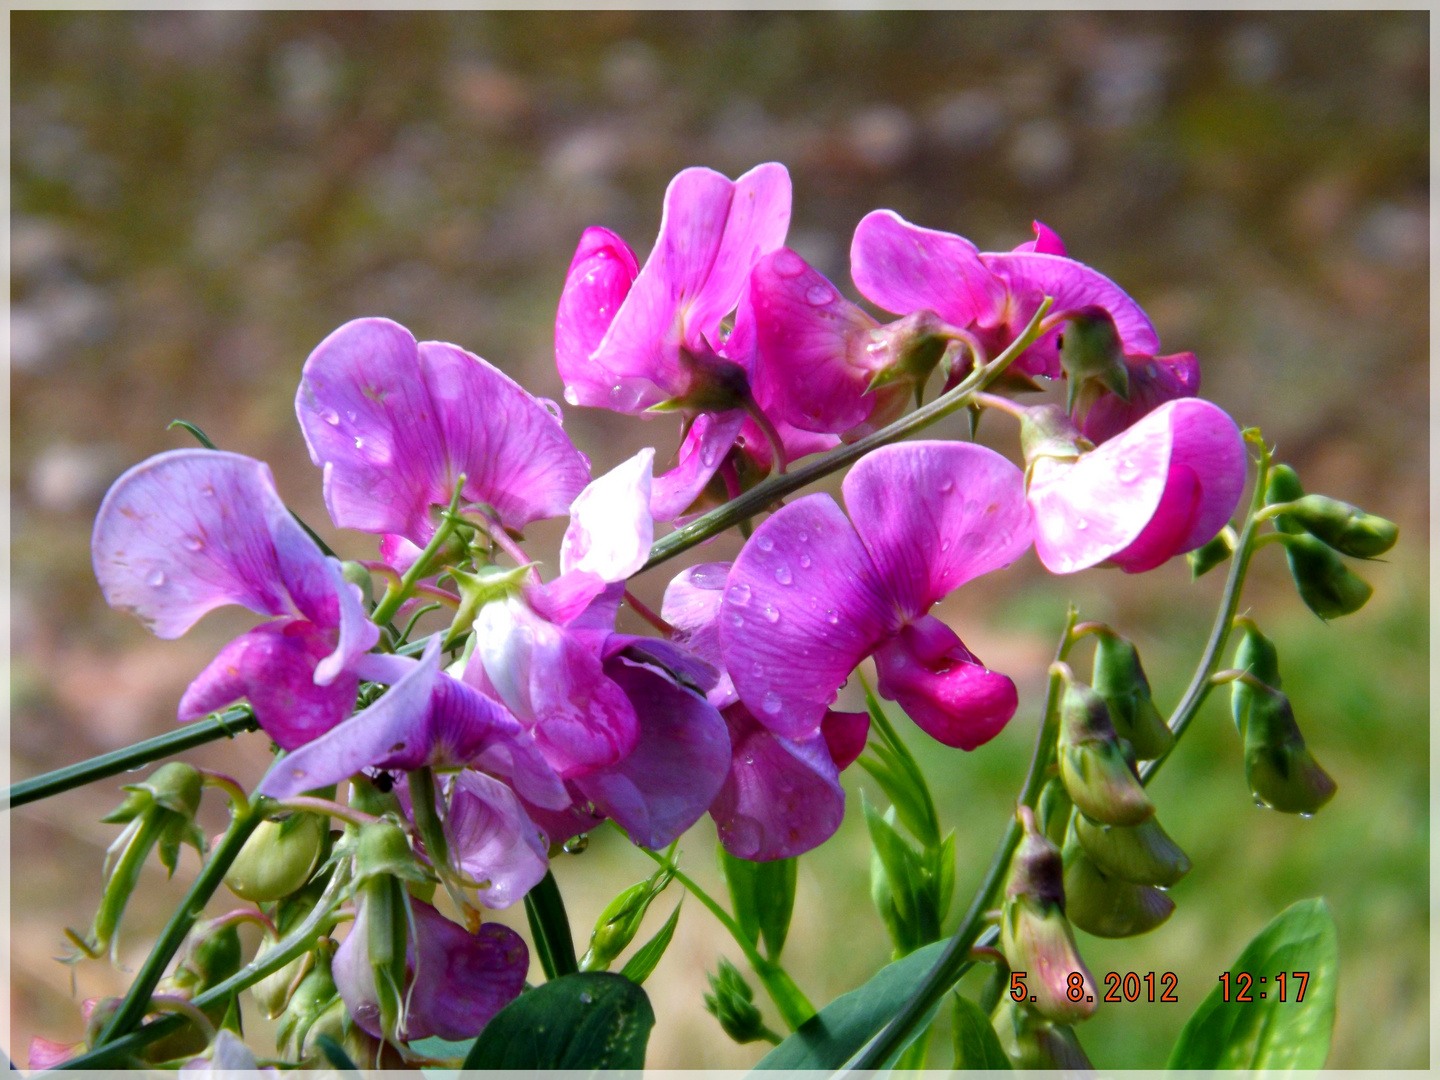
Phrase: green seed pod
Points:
(1034, 933)
(333, 1021)
(1108, 906)
(1118, 678)
(1032, 1042)
(1257, 655)
(1347, 529)
(1143, 854)
(1281, 771)
(358, 576)
(277, 859)
(1093, 359)
(1283, 486)
(732, 1002)
(1208, 556)
(1326, 584)
(1093, 764)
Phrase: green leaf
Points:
(903, 781)
(1270, 1034)
(335, 1055)
(763, 895)
(590, 1020)
(833, 1035)
(638, 968)
(976, 1044)
(900, 881)
(550, 927)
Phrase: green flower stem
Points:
(789, 999)
(956, 960)
(319, 922)
(767, 492)
(397, 594)
(137, 999)
(225, 725)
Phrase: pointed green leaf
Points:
(550, 927)
(638, 968)
(763, 896)
(1270, 1034)
(590, 1020)
(976, 1044)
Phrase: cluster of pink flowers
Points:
(550, 721)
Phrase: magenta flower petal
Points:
(795, 442)
(903, 268)
(845, 734)
(679, 762)
(611, 529)
(456, 980)
(1095, 508)
(812, 370)
(580, 816)
(780, 797)
(394, 423)
(675, 660)
(1047, 241)
(597, 283)
(274, 667)
(567, 597)
(943, 687)
(934, 515)
(706, 444)
(801, 609)
(188, 531)
(1154, 380)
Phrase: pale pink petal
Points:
(611, 529)
(903, 268)
(597, 283)
(801, 609)
(398, 552)
(934, 515)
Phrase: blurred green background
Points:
(198, 198)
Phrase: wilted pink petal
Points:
(665, 784)
(902, 268)
(45, 1054)
(1153, 380)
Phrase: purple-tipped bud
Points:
(1032, 1042)
(277, 859)
(1093, 764)
(1281, 771)
(1109, 906)
(1034, 934)
(1347, 529)
(1118, 678)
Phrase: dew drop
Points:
(1306, 816)
(576, 844)
(947, 485)
(832, 617)
(193, 543)
(1082, 525)
(805, 562)
(944, 545)
(571, 396)
(739, 594)
(770, 703)
(156, 579)
(585, 998)
(764, 543)
(749, 759)
(1163, 888)
(735, 619)
(359, 444)
(782, 575)
(771, 613)
(819, 295)
(330, 416)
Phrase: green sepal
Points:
(486, 585)
(1093, 359)
(383, 850)
(643, 961)
(1032, 1042)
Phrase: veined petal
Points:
(188, 531)
(706, 444)
(802, 607)
(950, 694)
(934, 515)
(810, 369)
(273, 666)
(597, 283)
(611, 529)
(903, 268)
(679, 762)
(680, 662)
(780, 797)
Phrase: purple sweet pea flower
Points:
(812, 593)
(1162, 487)
(425, 718)
(191, 530)
(394, 423)
(456, 981)
(903, 268)
(780, 797)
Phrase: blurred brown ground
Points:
(198, 198)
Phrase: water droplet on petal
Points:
(764, 543)
(805, 562)
(156, 579)
(1306, 816)
(819, 295)
(193, 543)
(749, 759)
(739, 594)
(736, 619)
(770, 703)
(350, 415)
(571, 396)
(576, 844)
(832, 617)
(771, 613)
(359, 444)
(1082, 525)
(947, 485)
(330, 416)
(782, 575)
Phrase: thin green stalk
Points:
(955, 960)
(789, 999)
(397, 594)
(224, 725)
(765, 493)
(301, 940)
(137, 999)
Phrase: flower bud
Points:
(383, 850)
(1118, 678)
(175, 786)
(1255, 654)
(358, 576)
(1282, 773)
(732, 1002)
(1109, 906)
(1052, 812)
(1208, 556)
(1093, 764)
(333, 1021)
(1032, 1042)
(1347, 529)
(620, 921)
(1283, 486)
(911, 348)
(277, 859)
(1143, 854)
(1093, 359)
(1325, 583)
(314, 995)
(1034, 933)
(212, 958)
(272, 993)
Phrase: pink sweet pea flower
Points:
(455, 980)
(1163, 486)
(191, 530)
(394, 423)
(812, 593)
(780, 797)
(903, 268)
(1153, 380)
